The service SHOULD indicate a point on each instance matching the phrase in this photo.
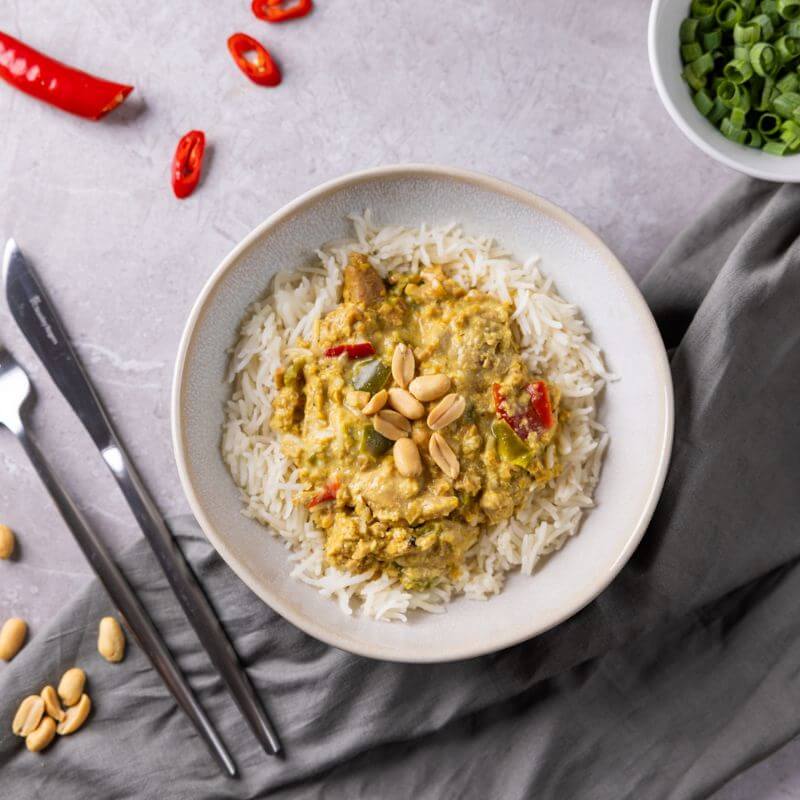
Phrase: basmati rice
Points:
(556, 344)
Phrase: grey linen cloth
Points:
(684, 672)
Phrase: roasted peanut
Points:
(443, 456)
(7, 542)
(405, 403)
(52, 705)
(429, 387)
(392, 425)
(356, 400)
(111, 640)
(75, 716)
(406, 458)
(12, 636)
(70, 687)
(447, 410)
(421, 435)
(40, 738)
(28, 716)
(376, 403)
(403, 365)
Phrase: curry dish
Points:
(416, 422)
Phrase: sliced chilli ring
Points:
(187, 163)
(281, 10)
(262, 70)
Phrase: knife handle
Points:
(191, 596)
(128, 603)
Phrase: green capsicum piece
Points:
(370, 376)
(373, 442)
(510, 447)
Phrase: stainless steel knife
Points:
(36, 317)
(17, 397)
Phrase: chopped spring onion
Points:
(741, 58)
(788, 48)
(764, 22)
(769, 125)
(746, 34)
(738, 70)
(764, 59)
(789, 9)
(766, 96)
(771, 7)
(753, 138)
(728, 14)
(707, 23)
(688, 31)
(738, 118)
(775, 148)
(703, 8)
(732, 131)
(704, 64)
(692, 78)
(702, 99)
(790, 133)
(786, 104)
(691, 51)
(718, 112)
(733, 95)
(788, 83)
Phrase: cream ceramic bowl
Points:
(665, 64)
(637, 409)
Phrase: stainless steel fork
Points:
(16, 400)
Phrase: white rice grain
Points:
(555, 344)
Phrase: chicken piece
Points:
(362, 285)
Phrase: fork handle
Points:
(128, 603)
(191, 596)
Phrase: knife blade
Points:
(38, 321)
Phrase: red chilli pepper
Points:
(328, 493)
(361, 350)
(281, 10)
(187, 163)
(538, 416)
(262, 70)
(66, 88)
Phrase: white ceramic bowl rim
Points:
(501, 640)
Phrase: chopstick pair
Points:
(38, 321)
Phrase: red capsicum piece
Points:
(540, 410)
(537, 417)
(281, 10)
(55, 83)
(187, 163)
(360, 350)
(327, 494)
(501, 407)
(261, 69)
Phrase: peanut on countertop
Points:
(12, 637)
(111, 640)
(70, 687)
(7, 542)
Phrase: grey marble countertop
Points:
(543, 94)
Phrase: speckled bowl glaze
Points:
(665, 64)
(637, 409)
